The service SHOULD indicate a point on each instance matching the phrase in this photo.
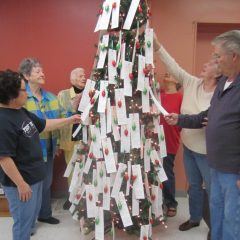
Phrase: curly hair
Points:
(10, 84)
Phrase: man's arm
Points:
(10, 169)
(188, 121)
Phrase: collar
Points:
(42, 91)
(72, 93)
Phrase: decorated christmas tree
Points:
(117, 166)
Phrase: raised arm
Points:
(172, 66)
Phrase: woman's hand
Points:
(25, 192)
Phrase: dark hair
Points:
(10, 84)
(27, 65)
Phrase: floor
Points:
(69, 228)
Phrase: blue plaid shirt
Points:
(47, 108)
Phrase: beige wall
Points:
(175, 22)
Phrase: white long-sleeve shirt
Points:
(195, 100)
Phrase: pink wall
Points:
(60, 34)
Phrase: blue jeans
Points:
(24, 213)
(169, 185)
(197, 172)
(224, 206)
(46, 209)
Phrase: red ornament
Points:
(119, 103)
(100, 11)
(139, 9)
(90, 197)
(103, 93)
(134, 177)
(114, 5)
(126, 177)
(151, 221)
(92, 101)
(145, 71)
(126, 132)
(145, 238)
(153, 197)
(90, 155)
(78, 196)
(138, 45)
(106, 151)
(149, 13)
(131, 76)
(114, 63)
(90, 93)
(161, 185)
(105, 189)
(157, 162)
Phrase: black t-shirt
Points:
(19, 139)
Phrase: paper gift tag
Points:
(115, 128)
(159, 107)
(149, 45)
(79, 194)
(99, 224)
(115, 14)
(96, 139)
(103, 51)
(91, 201)
(131, 14)
(108, 155)
(138, 184)
(123, 210)
(147, 154)
(74, 180)
(103, 125)
(158, 166)
(104, 18)
(120, 106)
(118, 180)
(85, 134)
(71, 162)
(135, 204)
(102, 102)
(125, 138)
(90, 157)
(109, 116)
(86, 95)
(144, 232)
(101, 175)
(106, 193)
(128, 177)
(162, 142)
(126, 73)
(145, 97)
(141, 74)
(135, 130)
(113, 175)
(143, 139)
(112, 66)
(154, 199)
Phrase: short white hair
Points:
(74, 73)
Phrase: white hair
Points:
(74, 72)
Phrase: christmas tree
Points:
(117, 168)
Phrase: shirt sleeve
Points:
(38, 122)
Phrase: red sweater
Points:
(172, 103)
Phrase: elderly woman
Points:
(21, 159)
